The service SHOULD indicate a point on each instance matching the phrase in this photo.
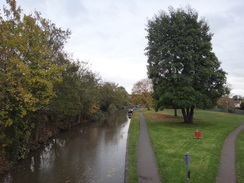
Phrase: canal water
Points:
(94, 152)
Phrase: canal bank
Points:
(94, 152)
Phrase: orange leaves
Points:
(142, 93)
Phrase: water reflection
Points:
(92, 153)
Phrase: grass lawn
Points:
(132, 148)
(240, 157)
(171, 139)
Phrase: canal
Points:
(94, 152)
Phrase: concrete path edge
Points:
(227, 170)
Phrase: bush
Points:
(242, 105)
(99, 115)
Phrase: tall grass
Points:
(171, 139)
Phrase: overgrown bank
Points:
(43, 90)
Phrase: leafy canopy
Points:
(184, 70)
(28, 70)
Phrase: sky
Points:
(110, 34)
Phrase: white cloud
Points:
(111, 34)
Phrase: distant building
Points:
(237, 103)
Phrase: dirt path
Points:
(227, 171)
(146, 165)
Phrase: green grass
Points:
(132, 148)
(240, 157)
(171, 139)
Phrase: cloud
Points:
(111, 34)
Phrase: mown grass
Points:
(171, 139)
(240, 157)
(132, 148)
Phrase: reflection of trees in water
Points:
(111, 128)
(7, 177)
(51, 152)
(76, 155)
(116, 118)
(36, 165)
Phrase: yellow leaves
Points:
(3, 114)
(4, 145)
(22, 68)
(30, 19)
(29, 64)
(23, 113)
(93, 109)
(30, 102)
(27, 98)
(9, 122)
(142, 93)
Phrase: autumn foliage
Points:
(142, 93)
(42, 89)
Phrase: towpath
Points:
(227, 171)
(146, 164)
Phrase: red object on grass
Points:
(198, 134)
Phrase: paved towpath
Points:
(227, 171)
(146, 165)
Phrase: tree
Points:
(42, 89)
(226, 103)
(184, 70)
(28, 73)
(122, 98)
(237, 97)
(112, 96)
(142, 93)
(242, 105)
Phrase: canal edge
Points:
(126, 177)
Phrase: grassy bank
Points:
(171, 139)
(132, 148)
(240, 157)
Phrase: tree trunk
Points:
(79, 117)
(175, 111)
(188, 114)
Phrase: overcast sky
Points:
(110, 34)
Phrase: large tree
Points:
(184, 70)
(29, 44)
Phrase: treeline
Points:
(42, 89)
